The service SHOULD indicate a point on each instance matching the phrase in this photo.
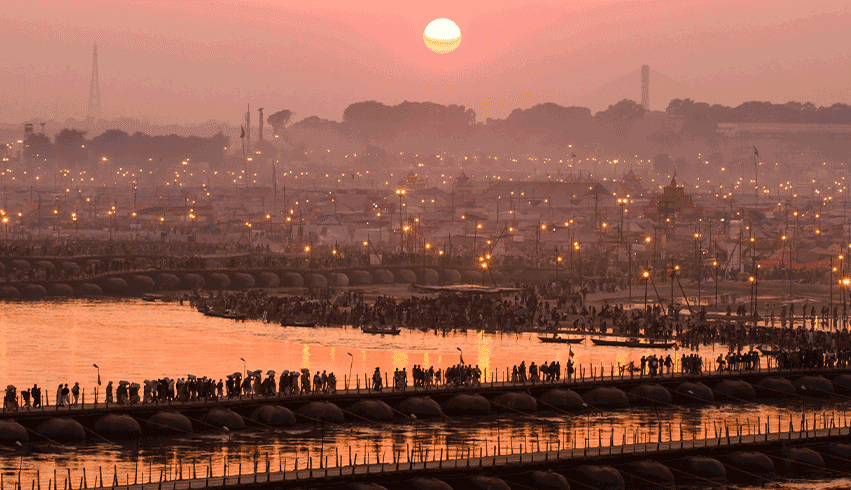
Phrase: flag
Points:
(242, 134)
(755, 151)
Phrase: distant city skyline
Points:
(191, 62)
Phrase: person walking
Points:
(36, 395)
(75, 392)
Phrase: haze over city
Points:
(191, 61)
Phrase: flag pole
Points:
(244, 160)
(755, 177)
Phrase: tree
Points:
(663, 164)
(113, 142)
(618, 119)
(279, 121)
(70, 145)
(37, 145)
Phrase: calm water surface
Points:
(52, 343)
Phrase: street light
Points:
(351, 363)
(646, 276)
(462, 355)
(243, 366)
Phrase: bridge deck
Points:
(354, 394)
(337, 474)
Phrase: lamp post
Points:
(646, 276)
(96, 391)
(558, 263)
(674, 269)
(351, 363)
(752, 280)
(400, 193)
(578, 249)
(715, 265)
(461, 356)
(243, 367)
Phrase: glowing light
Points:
(442, 36)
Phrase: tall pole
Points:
(629, 281)
(755, 178)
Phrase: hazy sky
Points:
(189, 61)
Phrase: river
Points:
(59, 342)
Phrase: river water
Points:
(58, 342)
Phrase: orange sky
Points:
(189, 61)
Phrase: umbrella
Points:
(257, 372)
(229, 376)
(135, 385)
(236, 375)
(191, 376)
(10, 387)
(122, 382)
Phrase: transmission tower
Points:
(94, 89)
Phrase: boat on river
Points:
(634, 343)
(225, 314)
(561, 340)
(381, 330)
(288, 323)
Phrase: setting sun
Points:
(442, 36)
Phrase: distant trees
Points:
(376, 115)
(70, 145)
(619, 118)
(279, 121)
(37, 145)
(763, 112)
(663, 164)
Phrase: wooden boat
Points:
(634, 343)
(381, 330)
(151, 298)
(561, 340)
(768, 352)
(285, 323)
(224, 314)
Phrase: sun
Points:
(442, 36)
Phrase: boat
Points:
(561, 340)
(634, 343)
(769, 352)
(285, 323)
(224, 314)
(151, 298)
(382, 330)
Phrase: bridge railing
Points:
(585, 374)
(646, 443)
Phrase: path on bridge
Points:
(587, 377)
(413, 462)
